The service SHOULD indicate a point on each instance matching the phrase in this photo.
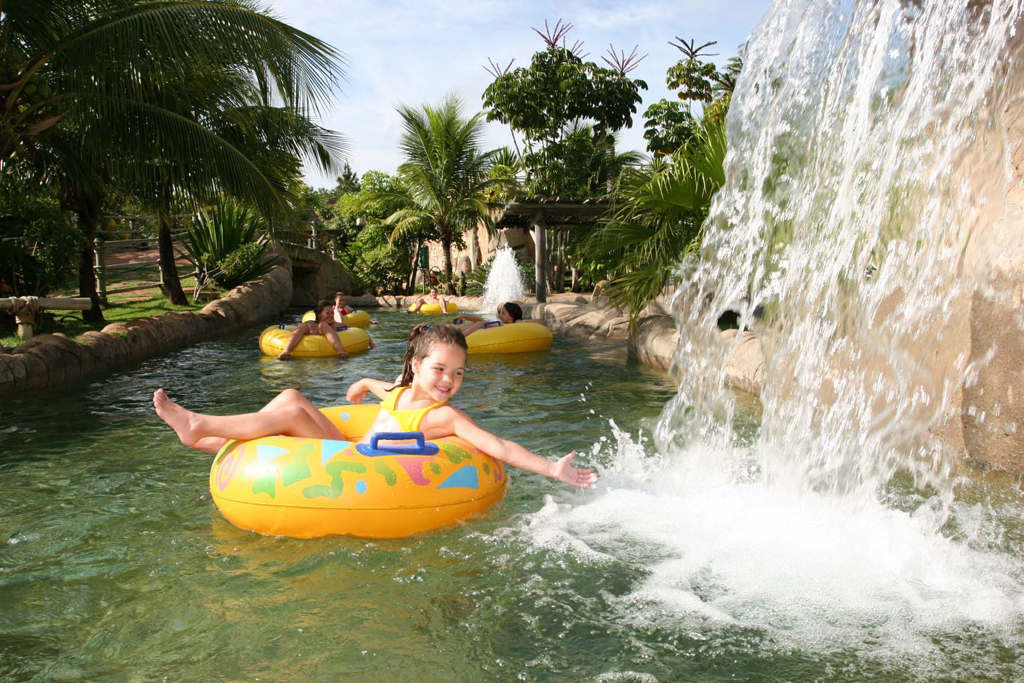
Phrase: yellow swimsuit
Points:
(408, 420)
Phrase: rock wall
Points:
(53, 359)
(311, 283)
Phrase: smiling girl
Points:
(434, 365)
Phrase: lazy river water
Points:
(116, 565)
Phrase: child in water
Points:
(508, 313)
(341, 309)
(432, 298)
(431, 374)
(322, 324)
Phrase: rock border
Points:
(54, 359)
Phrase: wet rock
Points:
(654, 340)
(744, 367)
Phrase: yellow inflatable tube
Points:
(436, 308)
(353, 319)
(515, 338)
(274, 339)
(309, 488)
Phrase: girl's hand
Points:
(357, 392)
(574, 476)
(457, 320)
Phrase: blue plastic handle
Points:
(421, 447)
(397, 436)
(280, 326)
(341, 328)
(492, 323)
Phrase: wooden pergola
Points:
(540, 213)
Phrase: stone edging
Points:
(653, 342)
(53, 359)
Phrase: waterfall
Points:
(871, 156)
(504, 282)
(868, 161)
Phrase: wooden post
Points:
(541, 265)
(101, 271)
(26, 328)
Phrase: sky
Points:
(415, 52)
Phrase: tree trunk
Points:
(411, 287)
(474, 250)
(449, 286)
(170, 284)
(560, 260)
(88, 219)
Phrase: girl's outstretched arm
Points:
(513, 454)
(357, 392)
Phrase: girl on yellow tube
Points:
(341, 309)
(432, 373)
(324, 325)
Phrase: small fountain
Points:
(504, 282)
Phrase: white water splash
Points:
(724, 551)
(504, 282)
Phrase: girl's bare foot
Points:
(177, 417)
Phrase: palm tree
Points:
(237, 116)
(118, 82)
(660, 217)
(446, 174)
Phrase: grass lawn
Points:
(120, 309)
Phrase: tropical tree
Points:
(670, 124)
(446, 176)
(124, 89)
(660, 216)
(558, 95)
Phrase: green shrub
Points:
(39, 247)
(385, 266)
(223, 246)
(242, 265)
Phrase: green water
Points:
(117, 566)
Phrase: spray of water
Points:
(867, 174)
(504, 282)
(868, 161)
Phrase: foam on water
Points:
(723, 550)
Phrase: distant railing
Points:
(140, 273)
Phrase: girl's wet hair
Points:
(320, 306)
(514, 310)
(422, 341)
